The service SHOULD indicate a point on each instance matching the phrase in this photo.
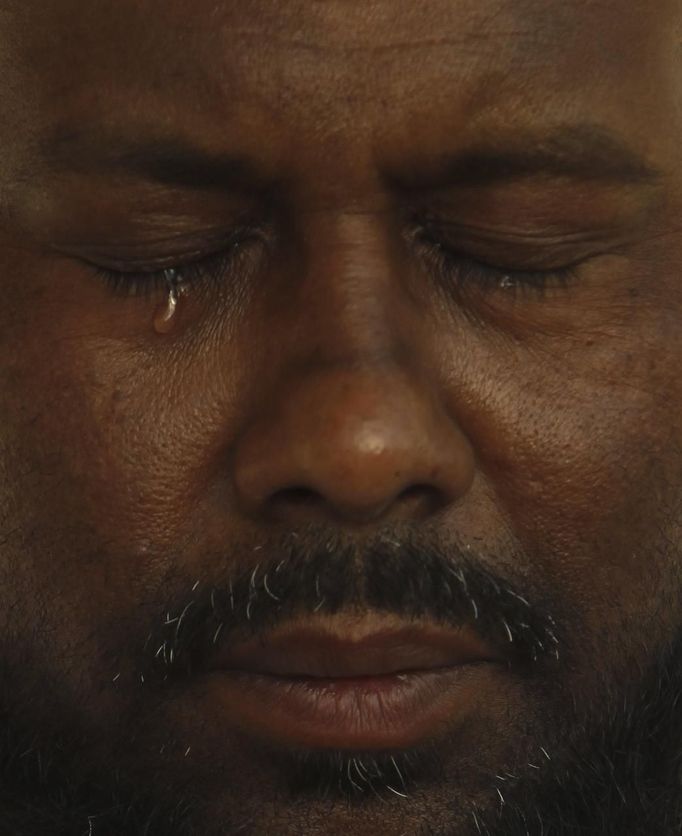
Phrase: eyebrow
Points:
(170, 161)
(578, 152)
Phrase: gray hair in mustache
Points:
(409, 575)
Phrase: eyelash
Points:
(456, 270)
(460, 272)
(212, 268)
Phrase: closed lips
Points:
(352, 683)
(368, 648)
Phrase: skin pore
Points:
(423, 365)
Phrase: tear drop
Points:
(166, 314)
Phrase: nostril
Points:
(296, 496)
(423, 497)
(419, 499)
(295, 503)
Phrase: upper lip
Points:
(334, 647)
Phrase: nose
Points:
(352, 445)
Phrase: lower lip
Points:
(374, 712)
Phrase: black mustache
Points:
(405, 577)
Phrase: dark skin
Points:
(394, 181)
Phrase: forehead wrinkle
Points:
(357, 46)
(323, 38)
(348, 28)
(324, 96)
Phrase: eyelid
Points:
(459, 272)
(531, 251)
(168, 257)
(214, 266)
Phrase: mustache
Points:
(410, 575)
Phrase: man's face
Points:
(340, 414)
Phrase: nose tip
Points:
(347, 450)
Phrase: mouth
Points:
(365, 683)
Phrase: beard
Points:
(619, 766)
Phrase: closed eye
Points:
(217, 267)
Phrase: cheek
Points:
(104, 424)
(581, 453)
(103, 443)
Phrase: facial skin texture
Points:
(342, 380)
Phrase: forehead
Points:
(354, 77)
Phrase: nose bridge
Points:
(351, 427)
(348, 288)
